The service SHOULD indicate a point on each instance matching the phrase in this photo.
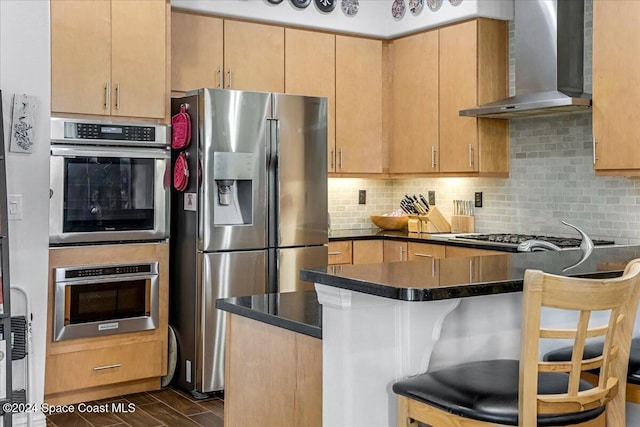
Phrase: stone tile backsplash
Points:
(551, 178)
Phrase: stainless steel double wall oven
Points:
(110, 183)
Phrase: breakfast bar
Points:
(384, 322)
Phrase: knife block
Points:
(432, 222)
(462, 224)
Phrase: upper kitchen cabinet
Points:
(616, 88)
(473, 70)
(310, 70)
(415, 136)
(109, 58)
(253, 56)
(358, 105)
(197, 44)
(212, 52)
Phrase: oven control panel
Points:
(106, 270)
(81, 131)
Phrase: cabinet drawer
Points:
(425, 251)
(340, 252)
(90, 368)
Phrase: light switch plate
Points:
(14, 206)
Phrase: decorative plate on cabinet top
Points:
(275, 1)
(415, 6)
(397, 9)
(301, 4)
(455, 2)
(326, 5)
(350, 7)
(434, 4)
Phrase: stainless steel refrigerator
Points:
(254, 212)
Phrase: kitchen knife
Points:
(424, 202)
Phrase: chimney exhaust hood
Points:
(549, 55)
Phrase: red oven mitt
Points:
(181, 129)
(181, 172)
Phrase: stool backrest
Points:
(619, 295)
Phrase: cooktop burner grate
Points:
(563, 242)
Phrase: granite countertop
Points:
(296, 311)
(464, 277)
(404, 235)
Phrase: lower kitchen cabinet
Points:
(395, 251)
(367, 251)
(84, 369)
(340, 252)
(425, 251)
(460, 252)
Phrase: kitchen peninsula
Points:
(384, 322)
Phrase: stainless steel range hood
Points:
(549, 55)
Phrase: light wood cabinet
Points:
(435, 75)
(212, 52)
(425, 251)
(358, 105)
(310, 69)
(415, 137)
(339, 252)
(197, 49)
(395, 251)
(460, 252)
(109, 58)
(473, 71)
(79, 370)
(368, 251)
(616, 88)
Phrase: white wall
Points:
(25, 68)
(373, 18)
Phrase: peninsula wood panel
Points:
(139, 58)
(253, 56)
(415, 106)
(358, 105)
(616, 87)
(197, 51)
(80, 65)
(310, 69)
(273, 376)
(368, 251)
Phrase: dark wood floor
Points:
(167, 407)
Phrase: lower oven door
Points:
(94, 307)
(108, 194)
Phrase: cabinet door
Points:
(196, 51)
(458, 90)
(395, 251)
(616, 86)
(339, 252)
(139, 60)
(80, 56)
(310, 70)
(460, 252)
(358, 105)
(368, 251)
(253, 56)
(425, 251)
(414, 143)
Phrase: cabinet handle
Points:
(107, 95)
(102, 368)
(595, 159)
(220, 82)
(335, 253)
(470, 156)
(333, 158)
(401, 253)
(117, 96)
(341, 159)
(433, 157)
(229, 78)
(470, 270)
(424, 255)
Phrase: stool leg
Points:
(402, 418)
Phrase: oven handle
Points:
(72, 151)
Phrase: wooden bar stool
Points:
(531, 392)
(594, 350)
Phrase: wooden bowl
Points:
(390, 222)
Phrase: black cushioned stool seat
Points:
(487, 391)
(595, 350)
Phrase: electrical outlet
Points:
(432, 197)
(478, 199)
(362, 197)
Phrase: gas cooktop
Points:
(512, 240)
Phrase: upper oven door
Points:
(106, 194)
